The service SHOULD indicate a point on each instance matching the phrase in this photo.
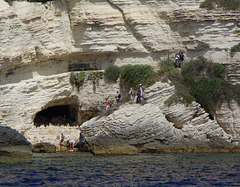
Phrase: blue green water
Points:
(83, 169)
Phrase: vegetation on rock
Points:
(112, 72)
(203, 81)
(81, 75)
(132, 76)
(225, 4)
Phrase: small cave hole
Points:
(58, 115)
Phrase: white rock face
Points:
(41, 43)
(228, 118)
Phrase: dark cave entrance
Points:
(64, 115)
(58, 115)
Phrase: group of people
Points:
(140, 92)
(72, 142)
(131, 93)
(179, 59)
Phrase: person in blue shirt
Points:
(118, 96)
(81, 139)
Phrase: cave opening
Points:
(58, 115)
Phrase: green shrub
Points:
(132, 76)
(81, 76)
(225, 4)
(181, 94)
(215, 70)
(201, 67)
(166, 67)
(193, 69)
(203, 81)
(112, 72)
(211, 92)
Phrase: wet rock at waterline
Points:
(44, 147)
(13, 146)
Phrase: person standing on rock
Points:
(81, 139)
(181, 59)
(107, 103)
(140, 93)
(176, 60)
(132, 95)
(118, 96)
(61, 139)
(138, 96)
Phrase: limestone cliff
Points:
(42, 43)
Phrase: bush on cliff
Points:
(195, 69)
(211, 92)
(112, 72)
(225, 4)
(203, 81)
(132, 76)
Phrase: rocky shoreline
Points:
(14, 147)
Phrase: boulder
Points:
(44, 147)
(13, 146)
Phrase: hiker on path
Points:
(132, 95)
(118, 96)
(181, 57)
(107, 103)
(177, 58)
(138, 96)
(140, 93)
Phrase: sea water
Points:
(84, 169)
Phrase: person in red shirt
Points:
(107, 104)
